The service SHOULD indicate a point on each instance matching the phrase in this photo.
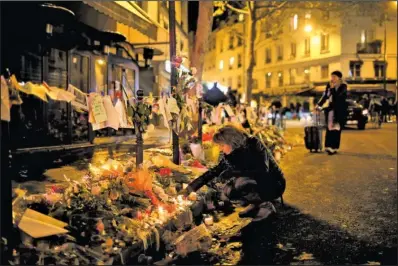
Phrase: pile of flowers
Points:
(109, 209)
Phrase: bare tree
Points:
(205, 24)
(272, 14)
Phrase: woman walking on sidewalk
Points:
(249, 172)
(336, 112)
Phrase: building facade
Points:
(305, 49)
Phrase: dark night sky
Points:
(193, 11)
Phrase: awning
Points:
(125, 16)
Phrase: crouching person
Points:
(250, 173)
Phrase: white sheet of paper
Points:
(80, 101)
(98, 109)
(172, 105)
(111, 113)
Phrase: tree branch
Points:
(272, 11)
(240, 11)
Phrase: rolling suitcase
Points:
(313, 135)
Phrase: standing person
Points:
(298, 110)
(384, 109)
(392, 110)
(249, 173)
(336, 112)
(276, 109)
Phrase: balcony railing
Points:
(369, 48)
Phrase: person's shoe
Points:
(266, 210)
(332, 152)
(249, 211)
(328, 150)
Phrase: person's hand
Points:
(318, 108)
(331, 84)
(186, 191)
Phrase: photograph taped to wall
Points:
(80, 101)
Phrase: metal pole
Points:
(173, 78)
(385, 57)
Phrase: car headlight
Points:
(365, 112)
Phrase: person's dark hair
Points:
(337, 73)
(232, 136)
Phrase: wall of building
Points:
(344, 33)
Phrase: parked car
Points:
(356, 115)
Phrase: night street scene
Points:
(198, 132)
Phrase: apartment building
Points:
(146, 25)
(307, 47)
(224, 59)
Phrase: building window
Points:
(239, 81)
(268, 56)
(231, 42)
(380, 69)
(239, 60)
(255, 84)
(240, 41)
(293, 47)
(367, 36)
(355, 69)
(280, 79)
(181, 46)
(307, 75)
(280, 52)
(307, 47)
(221, 65)
(231, 62)
(291, 77)
(324, 43)
(325, 71)
(268, 78)
(221, 46)
(294, 22)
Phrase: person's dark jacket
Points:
(338, 104)
(252, 160)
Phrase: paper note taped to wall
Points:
(81, 101)
(98, 109)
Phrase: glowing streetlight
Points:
(308, 28)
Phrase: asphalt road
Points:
(340, 209)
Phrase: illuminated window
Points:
(306, 75)
(231, 62)
(380, 68)
(280, 79)
(221, 65)
(295, 22)
(268, 78)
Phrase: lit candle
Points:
(209, 220)
(193, 196)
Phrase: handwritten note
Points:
(98, 109)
